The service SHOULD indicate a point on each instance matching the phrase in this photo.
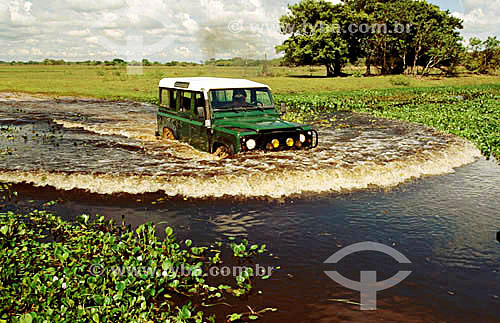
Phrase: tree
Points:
(408, 34)
(491, 54)
(483, 56)
(316, 37)
(400, 35)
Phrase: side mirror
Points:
(283, 108)
(201, 112)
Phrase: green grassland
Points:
(113, 82)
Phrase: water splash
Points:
(109, 147)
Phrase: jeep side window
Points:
(173, 99)
(222, 97)
(185, 102)
(199, 101)
(166, 99)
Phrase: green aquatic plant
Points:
(97, 271)
(242, 249)
(471, 112)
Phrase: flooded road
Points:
(109, 147)
(329, 198)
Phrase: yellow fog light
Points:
(276, 143)
(289, 142)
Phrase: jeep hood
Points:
(256, 124)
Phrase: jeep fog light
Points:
(251, 144)
(276, 143)
(302, 138)
(289, 142)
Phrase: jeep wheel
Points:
(167, 134)
(222, 152)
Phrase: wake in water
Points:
(109, 147)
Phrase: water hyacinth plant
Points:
(471, 112)
(97, 271)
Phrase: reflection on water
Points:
(109, 147)
(445, 225)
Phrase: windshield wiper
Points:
(225, 107)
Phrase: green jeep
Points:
(227, 116)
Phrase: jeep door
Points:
(199, 135)
(184, 102)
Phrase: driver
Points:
(239, 98)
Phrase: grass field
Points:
(114, 82)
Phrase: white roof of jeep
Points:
(205, 84)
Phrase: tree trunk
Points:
(414, 69)
(404, 63)
(337, 69)
(427, 67)
(384, 61)
(329, 70)
(368, 66)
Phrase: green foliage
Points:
(393, 35)
(483, 56)
(399, 81)
(242, 250)
(97, 271)
(469, 112)
(310, 43)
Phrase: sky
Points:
(166, 30)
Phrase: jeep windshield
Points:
(241, 99)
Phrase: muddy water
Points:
(109, 147)
(444, 224)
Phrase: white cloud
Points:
(27, 6)
(189, 23)
(78, 33)
(183, 52)
(36, 52)
(489, 5)
(90, 5)
(114, 33)
(20, 12)
(481, 18)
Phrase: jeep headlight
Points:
(251, 144)
(302, 138)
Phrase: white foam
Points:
(274, 183)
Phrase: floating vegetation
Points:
(98, 271)
(469, 112)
